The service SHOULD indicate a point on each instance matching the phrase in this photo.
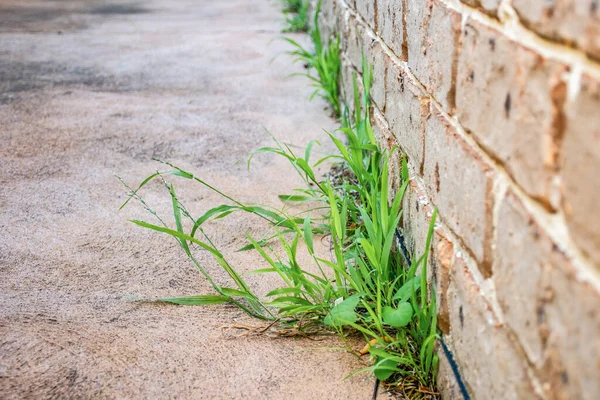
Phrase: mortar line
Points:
(510, 26)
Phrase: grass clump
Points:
(365, 286)
(325, 60)
(296, 13)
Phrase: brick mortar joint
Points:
(554, 224)
(511, 27)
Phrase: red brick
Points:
(433, 47)
(459, 183)
(390, 26)
(406, 109)
(510, 98)
(575, 22)
(580, 163)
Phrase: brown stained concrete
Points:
(89, 89)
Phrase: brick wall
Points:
(497, 106)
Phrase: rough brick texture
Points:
(576, 22)
(497, 109)
(432, 38)
(406, 109)
(390, 25)
(491, 364)
(580, 165)
(488, 6)
(555, 316)
(507, 97)
(459, 183)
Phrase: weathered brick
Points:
(510, 98)
(490, 365)
(366, 9)
(580, 162)
(390, 26)
(440, 264)
(328, 10)
(445, 381)
(327, 30)
(572, 357)
(415, 219)
(347, 89)
(575, 22)
(417, 214)
(489, 6)
(517, 272)
(459, 183)
(555, 318)
(375, 57)
(406, 109)
(352, 43)
(328, 21)
(433, 47)
(387, 142)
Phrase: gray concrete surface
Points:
(89, 89)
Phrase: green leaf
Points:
(405, 292)
(199, 300)
(236, 292)
(398, 317)
(308, 238)
(384, 368)
(286, 290)
(343, 313)
(294, 198)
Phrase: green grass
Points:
(364, 287)
(292, 6)
(325, 61)
(296, 13)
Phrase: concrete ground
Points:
(90, 89)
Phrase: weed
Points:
(366, 286)
(292, 6)
(325, 60)
(296, 13)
